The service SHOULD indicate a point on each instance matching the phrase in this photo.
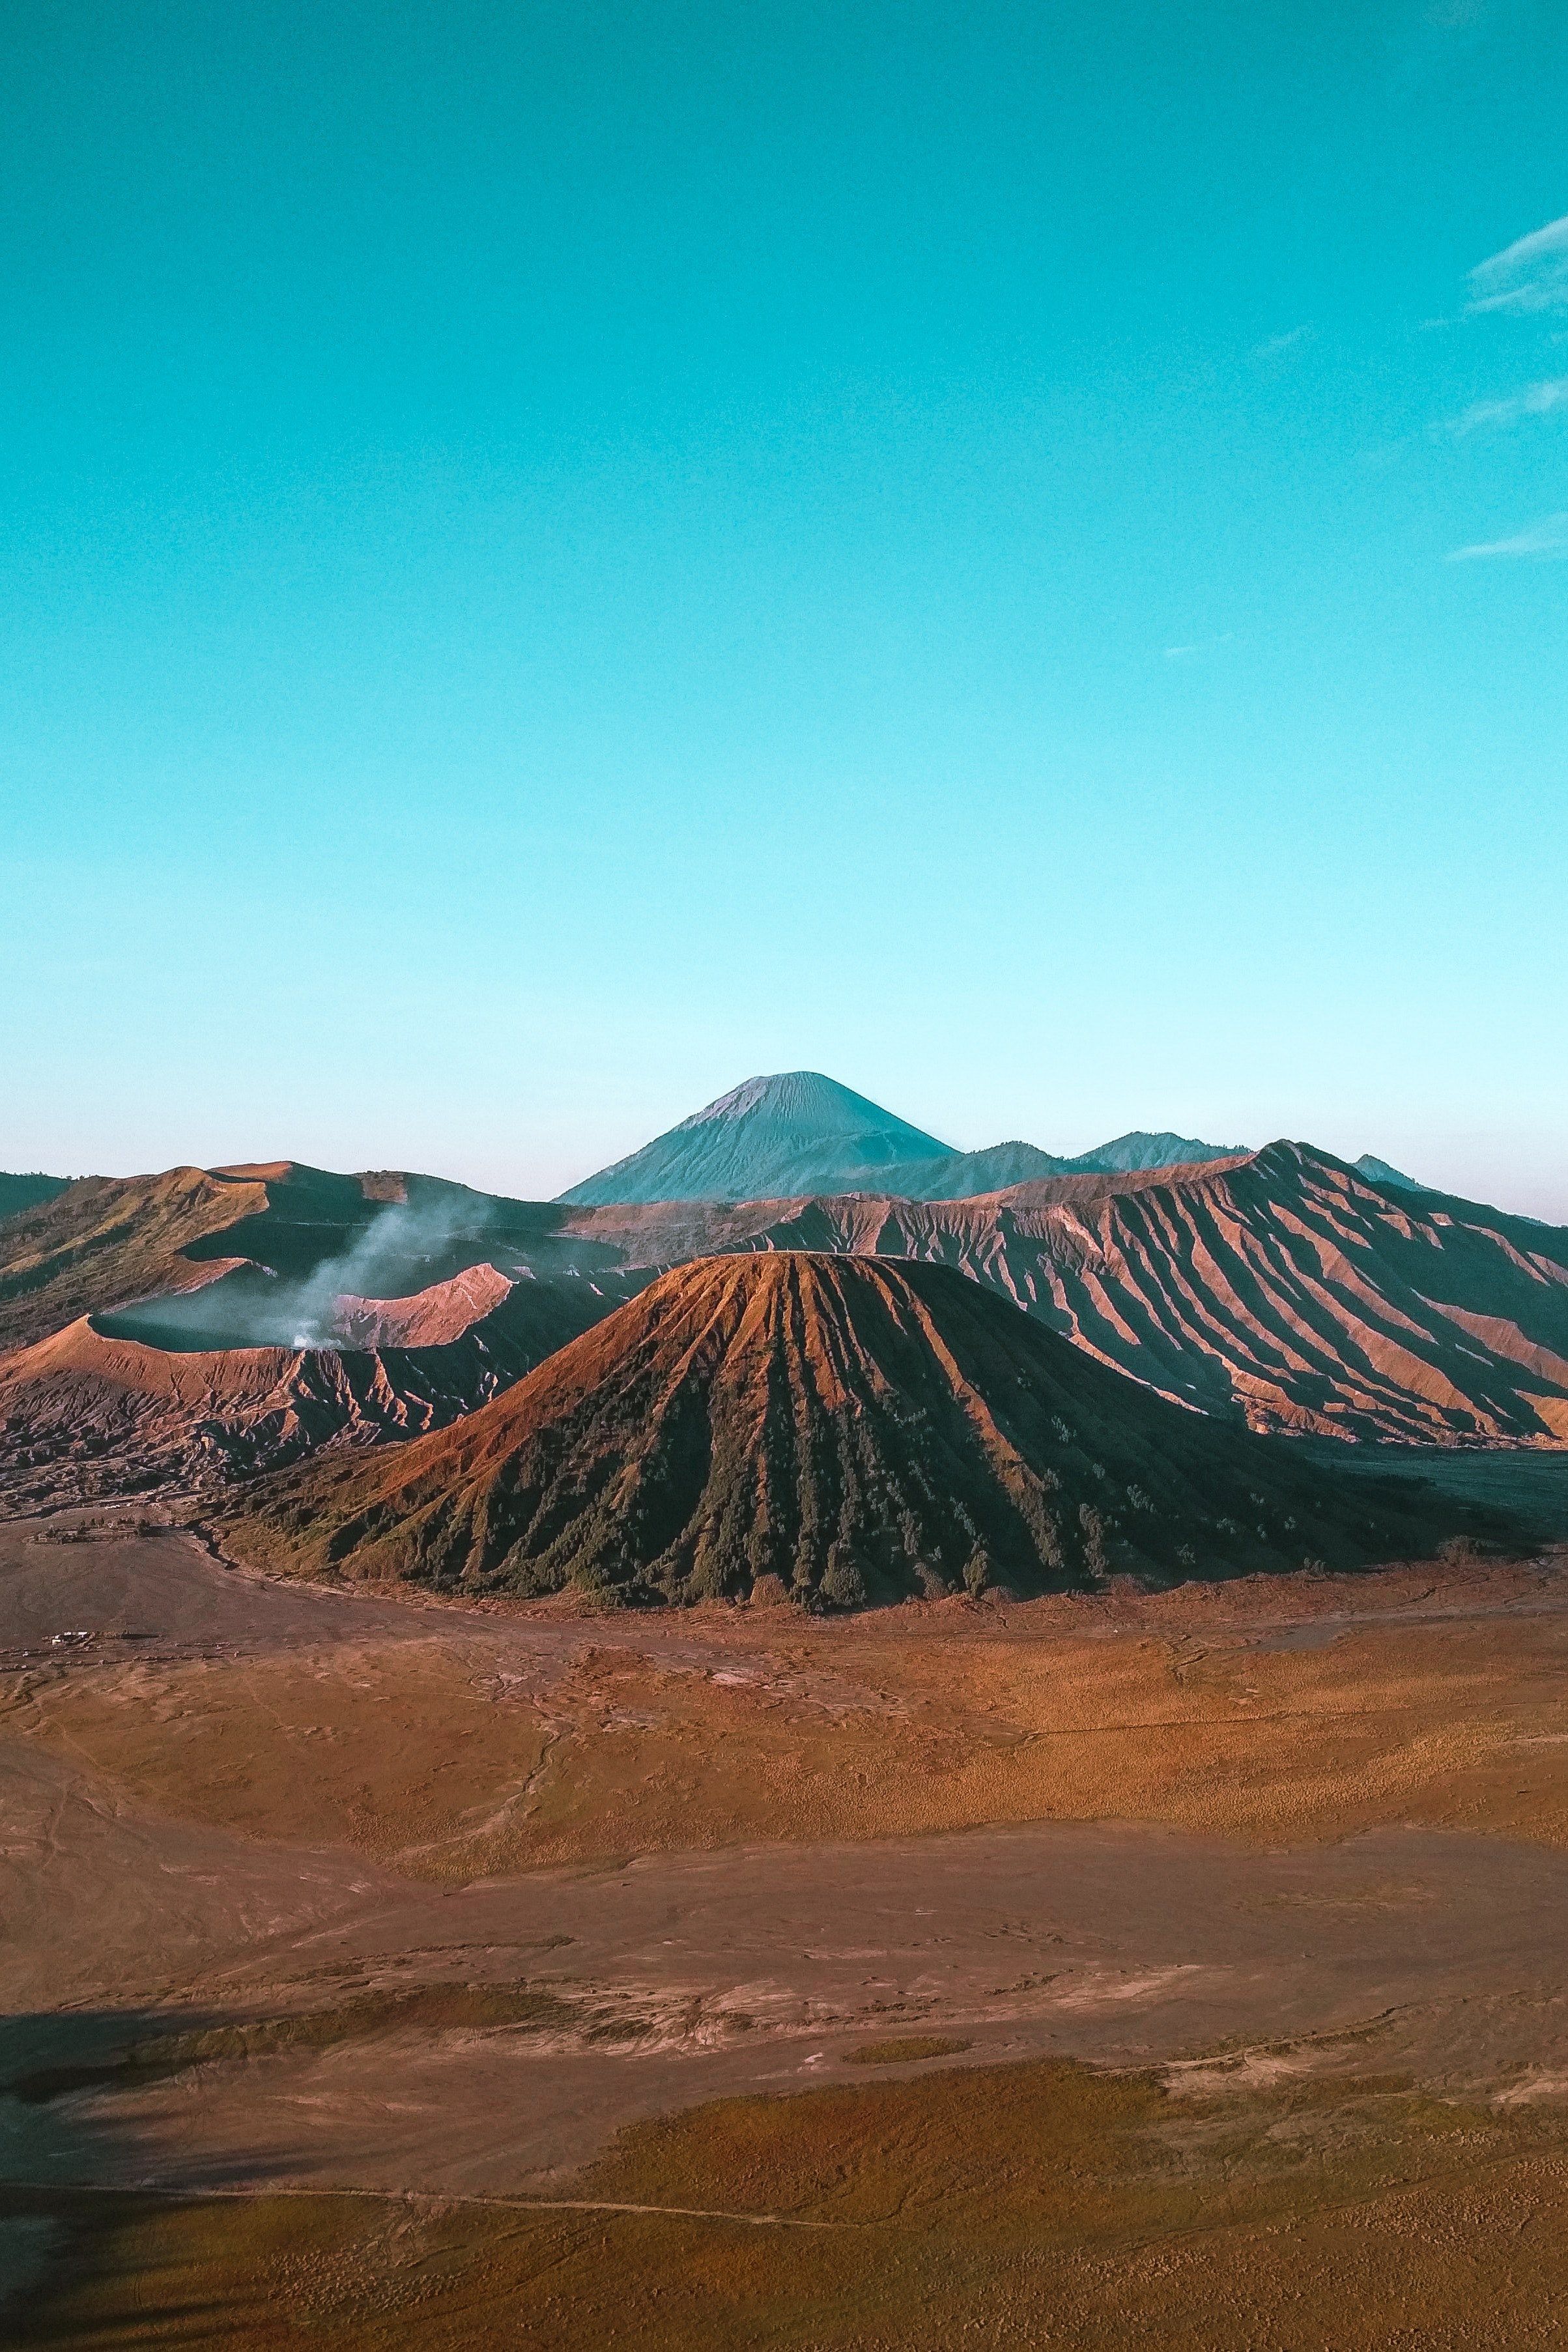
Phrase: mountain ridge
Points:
(798, 1135)
(840, 1430)
(1282, 1288)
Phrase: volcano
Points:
(772, 1138)
(1282, 1290)
(846, 1429)
(102, 1409)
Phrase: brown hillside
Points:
(95, 1411)
(257, 1256)
(1285, 1291)
(858, 1429)
(108, 1239)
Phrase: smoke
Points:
(289, 1298)
(404, 1249)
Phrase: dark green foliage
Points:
(1096, 1547)
(842, 1584)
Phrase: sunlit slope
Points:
(257, 1255)
(854, 1429)
(105, 1240)
(95, 1411)
(1284, 1289)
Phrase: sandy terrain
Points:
(302, 1889)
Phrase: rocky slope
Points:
(256, 1256)
(852, 1429)
(105, 1239)
(1282, 1289)
(95, 1410)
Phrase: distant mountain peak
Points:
(779, 1138)
(1381, 1172)
(1139, 1149)
(811, 1100)
(799, 1132)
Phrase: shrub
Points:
(706, 1581)
(978, 1572)
(843, 1586)
(1096, 1558)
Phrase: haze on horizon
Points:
(558, 560)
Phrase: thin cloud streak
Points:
(1275, 346)
(1543, 540)
(1204, 646)
(1531, 274)
(1535, 400)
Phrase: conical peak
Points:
(789, 1094)
(782, 1137)
(810, 1101)
(750, 1284)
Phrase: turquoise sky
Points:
(555, 557)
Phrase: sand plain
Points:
(1221, 1933)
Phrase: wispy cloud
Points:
(1535, 400)
(1204, 646)
(1543, 539)
(1531, 274)
(1276, 346)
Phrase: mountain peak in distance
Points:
(1141, 1149)
(779, 1138)
(1381, 1172)
(800, 1133)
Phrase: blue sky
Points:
(556, 557)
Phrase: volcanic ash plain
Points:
(390, 1971)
